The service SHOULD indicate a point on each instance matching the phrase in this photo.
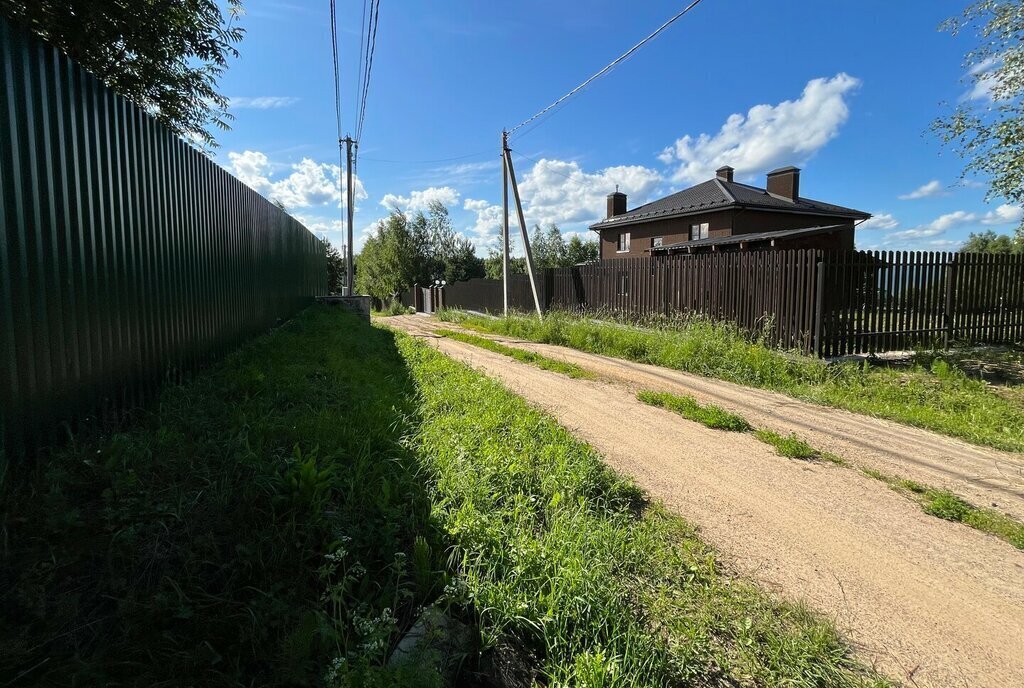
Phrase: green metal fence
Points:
(127, 257)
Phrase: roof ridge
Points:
(725, 189)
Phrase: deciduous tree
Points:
(164, 55)
(987, 130)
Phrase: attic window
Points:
(699, 231)
(657, 242)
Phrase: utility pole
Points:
(349, 275)
(507, 154)
(504, 221)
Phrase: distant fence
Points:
(826, 302)
(127, 256)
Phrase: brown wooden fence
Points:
(829, 303)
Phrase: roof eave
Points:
(851, 215)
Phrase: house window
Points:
(623, 244)
(657, 242)
(622, 283)
(699, 231)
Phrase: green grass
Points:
(251, 527)
(790, 446)
(934, 395)
(556, 551)
(946, 505)
(282, 518)
(570, 369)
(710, 415)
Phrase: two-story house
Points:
(724, 215)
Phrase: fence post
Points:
(947, 314)
(819, 303)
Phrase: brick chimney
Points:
(785, 183)
(724, 173)
(616, 203)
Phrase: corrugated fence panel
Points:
(127, 257)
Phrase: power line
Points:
(362, 52)
(478, 154)
(337, 74)
(372, 38)
(614, 63)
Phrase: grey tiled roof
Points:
(717, 194)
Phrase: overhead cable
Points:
(614, 63)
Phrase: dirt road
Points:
(929, 602)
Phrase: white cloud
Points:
(982, 81)
(261, 102)
(561, 192)
(879, 221)
(929, 190)
(1005, 214)
(769, 136)
(487, 227)
(421, 200)
(936, 227)
(310, 183)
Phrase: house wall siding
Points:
(725, 223)
(672, 230)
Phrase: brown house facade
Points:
(724, 215)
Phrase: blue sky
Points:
(844, 89)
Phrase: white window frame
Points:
(623, 240)
(700, 231)
(657, 242)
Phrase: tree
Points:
(989, 132)
(548, 247)
(421, 249)
(492, 265)
(163, 55)
(578, 251)
(335, 267)
(451, 257)
(990, 242)
(391, 260)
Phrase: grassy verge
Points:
(258, 524)
(282, 518)
(570, 369)
(937, 396)
(557, 552)
(948, 506)
(707, 414)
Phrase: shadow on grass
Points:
(250, 527)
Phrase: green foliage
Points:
(559, 553)
(393, 258)
(989, 131)
(990, 242)
(946, 505)
(250, 528)
(790, 445)
(707, 414)
(570, 369)
(335, 267)
(550, 250)
(578, 251)
(952, 404)
(449, 256)
(404, 250)
(164, 56)
(492, 265)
